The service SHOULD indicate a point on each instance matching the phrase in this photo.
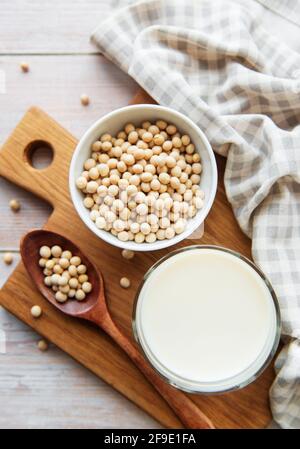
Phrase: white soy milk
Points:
(206, 318)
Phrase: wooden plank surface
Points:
(50, 26)
(65, 26)
(55, 83)
(51, 390)
(28, 401)
(29, 386)
(31, 27)
(248, 407)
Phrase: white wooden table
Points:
(50, 390)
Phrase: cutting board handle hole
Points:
(39, 154)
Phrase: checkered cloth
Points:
(215, 62)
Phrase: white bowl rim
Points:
(158, 244)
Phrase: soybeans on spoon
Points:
(94, 309)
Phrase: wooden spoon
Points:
(94, 309)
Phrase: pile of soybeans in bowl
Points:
(142, 184)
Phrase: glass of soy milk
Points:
(207, 319)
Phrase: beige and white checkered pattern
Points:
(214, 61)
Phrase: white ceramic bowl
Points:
(136, 114)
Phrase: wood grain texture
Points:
(29, 391)
(51, 390)
(52, 26)
(55, 83)
(65, 26)
(245, 408)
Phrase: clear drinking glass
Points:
(237, 381)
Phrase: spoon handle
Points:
(186, 410)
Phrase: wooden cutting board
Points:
(247, 408)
